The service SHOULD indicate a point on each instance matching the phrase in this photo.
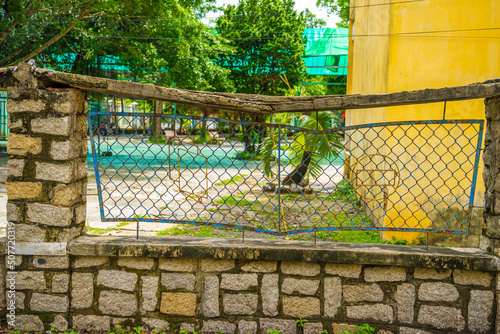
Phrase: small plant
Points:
(363, 329)
(396, 241)
(324, 331)
(137, 329)
(273, 331)
(300, 322)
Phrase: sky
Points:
(300, 5)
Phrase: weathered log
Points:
(261, 104)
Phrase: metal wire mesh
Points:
(281, 179)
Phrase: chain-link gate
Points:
(281, 179)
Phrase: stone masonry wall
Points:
(250, 296)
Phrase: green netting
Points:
(326, 51)
(3, 114)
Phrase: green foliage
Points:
(244, 155)
(363, 329)
(264, 46)
(322, 146)
(300, 322)
(273, 331)
(346, 193)
(157, 140)
(339, 8)
(235, 179)
(159, 40)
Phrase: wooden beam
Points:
(263, 104)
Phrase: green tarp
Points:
(326, 51)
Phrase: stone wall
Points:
(65, 279)
(215, 295)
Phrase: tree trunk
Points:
(157, 119)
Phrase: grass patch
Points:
(371, 237)
(99, 231)
(200, 231)
(234, 179)
(231, 200)
(244, 155)
(157, 140)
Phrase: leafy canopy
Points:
(162, 39)
(339, 8)
(267, 39)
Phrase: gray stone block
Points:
(48, 303)
(238, 281)
(240, 304)
(437, 292)
(405, 297)
(302, 286)
(479, 311)
(210, 297)
(149, 294)
(300, 268)
(82, 290)
(117, 279)
(212, 326)
(373, 312)
(270, 294)
(178, 281)
(284, 326)
(332, 295)
(92, 322)
(441, 317)
(362, 292)
(385, 274)
(117, 303)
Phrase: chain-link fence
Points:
(289, 174)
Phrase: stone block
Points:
(81, 213)
(187, 327)
(90, 261)
(372, 312)
(17, 299)
(68, 102)
(15, 167)
(23, 190)
(117, 279)
(23, 145)
(54, 172)
(55, 126)
(48, 303)
(68, 234)
(149, 294)
(30, 280)
(247, 327)
(385, 274)
(437, 292)
(240, 304)
(470, 277)
(431, 274)
(14, 125)
(50, 215)
(492, 226)
(29, 233)
(178, 281)
(141, 263)
(92, 322)
(260, 266)
(333, 296)
(313, 328)
(150, 324)
(284, 326)
(405, 297)
(65, 150)
(13, 214)
(362, 293)
(214, 265)
(340, 328)
(302, 286)
(179, 303)
(480, 308)
(270, 294)
(67, 194)
(59, 323)
(28, 106)
(301, 306)
(238, 281)
(343, 270)
(51, 262)
(82, 290)
(300, 268)
(178, 265)
(117, 303)
(441, 317)
(24, 322)
(210, 297)
(60, 283)
(212, 326)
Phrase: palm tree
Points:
(308, 149)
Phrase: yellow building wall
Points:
(418, 45)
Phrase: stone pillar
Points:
(490, 239)
(46, 188)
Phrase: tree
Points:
(267, 40)
(339, 8)
(161, 40)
